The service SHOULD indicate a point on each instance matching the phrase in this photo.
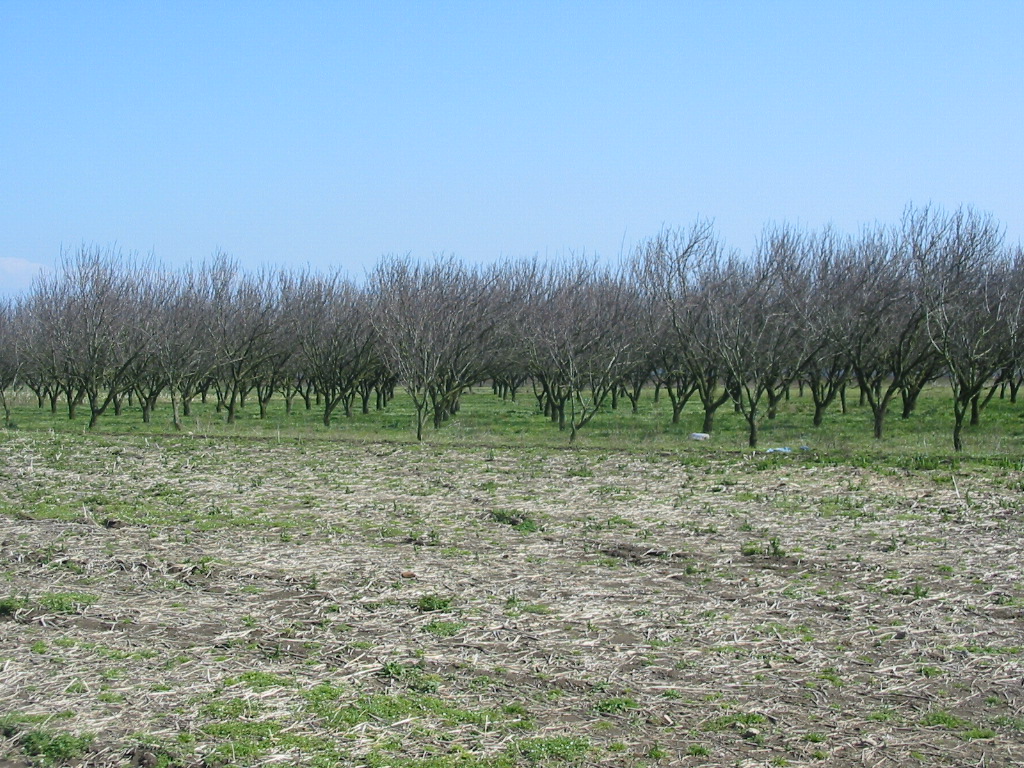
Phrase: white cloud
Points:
(16, 275)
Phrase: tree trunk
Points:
(879, 422)
(909, 402)
(175, 418)
(959, 411)
(709, 422)
(819, 413)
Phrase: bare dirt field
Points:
(188, 602)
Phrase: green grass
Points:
(920, 443)
(432, 603)
(9, 606)
(733, 720)
(383, 708)
(67, 602)
(615, 705)
(517, 520)
(553, 748)
(55, 747)
(941, 718)
(444, 628)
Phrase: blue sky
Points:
(330, 133)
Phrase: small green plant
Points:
(444, 628)
(580, 470)
(698, 750)
(734, 720)
(412, 676)
(11, 605)
(775, 549)
(55, 747)
(67, 602)
(940, 717)
(519, 521)
(552, 748)
(430, 603)
(830, 675)
(978, 733)
(615, 705)
(883, 715)
(918, 591)
(261, 681)
(657, 753)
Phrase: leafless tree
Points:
(646, 325)
(181, 354)
(580, 344)
(890, 350)
(244, 328)
(1012, 375)
(329, 318)
(435, 324)
(970, 311)
(11, 355)
(90, 319)
(756, 323)
(826, 310)
(677, 268)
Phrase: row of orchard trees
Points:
(887, 310)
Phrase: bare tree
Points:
(890, 350)
(1012, 375)
(181, 355)
(756, 324)
(244, 325)
(580, 344)
(435, 323)
(827, 311)
(91, 316)
(677, 268)
(330, 319)
(971, 313)
(11, 357)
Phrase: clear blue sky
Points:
(330, 133)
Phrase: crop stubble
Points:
(762, 610)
